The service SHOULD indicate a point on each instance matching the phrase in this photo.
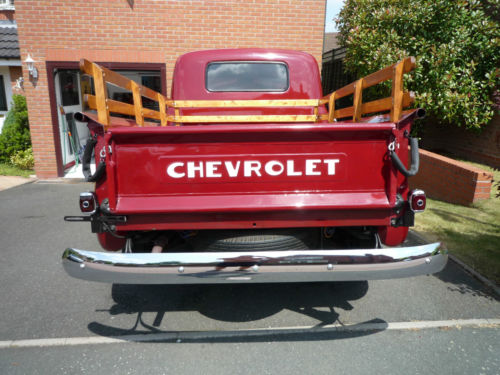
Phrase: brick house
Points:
(142, 39)
(10, 63)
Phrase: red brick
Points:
(449, 180)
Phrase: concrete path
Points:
(7, 182)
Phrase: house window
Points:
(3, 97)
(7, 5)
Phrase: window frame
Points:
(249, 62)
(7, 5)
(3, 92)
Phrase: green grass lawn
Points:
(10, 170)
(472, 234)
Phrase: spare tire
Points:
(255, 239)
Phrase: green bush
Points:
(456, 43)
(23, 159)
(15, 134)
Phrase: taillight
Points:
(417, 200)
(87, 202)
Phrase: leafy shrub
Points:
(15, 134)
(23, 159)
(456, 43)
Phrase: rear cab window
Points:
(244, 76)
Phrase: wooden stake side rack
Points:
(398, 100)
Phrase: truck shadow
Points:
(238, 303)
(459, 281)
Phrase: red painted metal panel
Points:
(265, 219)
(252, 202)
(290, 160)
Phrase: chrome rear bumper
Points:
(255, 267)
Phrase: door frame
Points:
(58, 92)
(75, 65)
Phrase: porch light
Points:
(31, 66)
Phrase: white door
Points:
(73, 134)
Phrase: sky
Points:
(332, 10)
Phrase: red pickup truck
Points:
(247, 173)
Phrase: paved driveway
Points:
(445, 323)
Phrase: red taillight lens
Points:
(417, 200)
(87, 202)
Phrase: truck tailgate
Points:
(271, 167)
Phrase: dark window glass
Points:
(69, 88)
(247, 76)
(154, 83)
(3, 97)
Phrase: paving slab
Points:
(7, 182)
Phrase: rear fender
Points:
(110, 242)
(392, 236)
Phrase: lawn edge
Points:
(484, 280)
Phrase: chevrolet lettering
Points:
(251, 168)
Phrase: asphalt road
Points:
(408, 326)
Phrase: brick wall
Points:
(450, 180)
(482, 147)
(151, 31)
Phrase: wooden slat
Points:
(150, 113)
(345, 91)
(90, 101)
(127, 84)
(120, 107)
(136, 94)
(395, 103)
(385, 104)
(374, 78)
(148, 93)
(177, 115)
(385, 74)
(244, 103)
(379, 105)
(331, 107)
(397, 92)
(101, 94)
(123, 108)
(117, 79)
(358, 100)
(163, 109)
(114, 106)
(243, 118)
(344, 112)
(86, 67)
